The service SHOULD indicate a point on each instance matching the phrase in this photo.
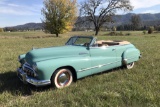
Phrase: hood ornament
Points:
(33, 48)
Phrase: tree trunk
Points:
(56, 34)
(97, 31)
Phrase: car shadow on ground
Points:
(9, 82)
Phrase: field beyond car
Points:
(81, 56)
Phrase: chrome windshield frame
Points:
(92, 41)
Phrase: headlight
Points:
(19, 59)
(34, 66)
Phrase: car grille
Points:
(27, 68)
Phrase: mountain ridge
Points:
(146, 18)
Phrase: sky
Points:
(17, 12)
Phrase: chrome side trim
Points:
(125, 60)
(91, 68)
(99, 66)
(26, 79)
(82, 53)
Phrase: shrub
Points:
(128, 34)
(116, 34)
(1, 30)
(150, 30)
(113, 34)
(121, 33)
(144, 32)
(114, 29)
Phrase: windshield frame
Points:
(73, 39)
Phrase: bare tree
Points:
(101, 11)
(1, 30)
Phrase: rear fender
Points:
(130, 55)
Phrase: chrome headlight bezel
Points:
(34, 67)
(19, 58)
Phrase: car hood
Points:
(37, 55)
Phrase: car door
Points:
(83, 63)
(102, 58)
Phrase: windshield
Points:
(79, 41)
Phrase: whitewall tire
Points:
(62, 78)
(130, 65)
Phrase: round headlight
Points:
(34, 66)
(19, 59)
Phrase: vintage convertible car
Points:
(81, 56)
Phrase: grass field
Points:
(138, 87)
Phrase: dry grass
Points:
(138, 87)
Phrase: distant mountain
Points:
(27, 26)
(30, 26)
(147, 19)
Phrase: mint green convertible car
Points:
(81, 56)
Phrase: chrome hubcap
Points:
(63, 78)
(130, 65)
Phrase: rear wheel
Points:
(62, 78)
(130, 65)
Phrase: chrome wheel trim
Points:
(63, 78)
(130, 65)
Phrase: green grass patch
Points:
(138, 87)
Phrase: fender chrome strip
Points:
(99, 66)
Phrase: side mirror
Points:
(87, 45)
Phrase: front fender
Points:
(46, 68)
(21, 58)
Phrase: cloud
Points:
(144, 3)
(11, 11)
(13, 5)
(19, 9)
(150, 11)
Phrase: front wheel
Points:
(62, 78)
(130, 65)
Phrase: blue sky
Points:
(17, 12)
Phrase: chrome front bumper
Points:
(26, 79)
